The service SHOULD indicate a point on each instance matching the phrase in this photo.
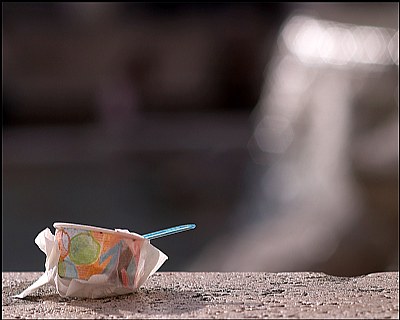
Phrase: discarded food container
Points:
(92, 262)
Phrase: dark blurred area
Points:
(242, 118)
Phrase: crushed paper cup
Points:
(91, 262)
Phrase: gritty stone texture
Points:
(218, 295)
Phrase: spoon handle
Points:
(168, 231)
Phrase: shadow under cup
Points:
(87, 251)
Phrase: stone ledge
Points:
(218, 295)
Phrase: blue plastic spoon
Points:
(168, 231)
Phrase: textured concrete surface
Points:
(219, 295)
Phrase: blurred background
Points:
(273, 127)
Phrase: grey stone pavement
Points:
(183, 295)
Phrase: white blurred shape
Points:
(328, 49)
(291, 29)
(319, 42)
(338, 46)
(290, 77)
(360, 54)
(308, 41)
(373, 45)
(282, 176)
(348, 43)
(274, 134)
(393, 48)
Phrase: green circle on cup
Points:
(61, 269)
(84, 249)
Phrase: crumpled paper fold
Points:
(149, 261)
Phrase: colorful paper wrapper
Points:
(91, 262)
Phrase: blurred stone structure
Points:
(137, 116)
(322, 189)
